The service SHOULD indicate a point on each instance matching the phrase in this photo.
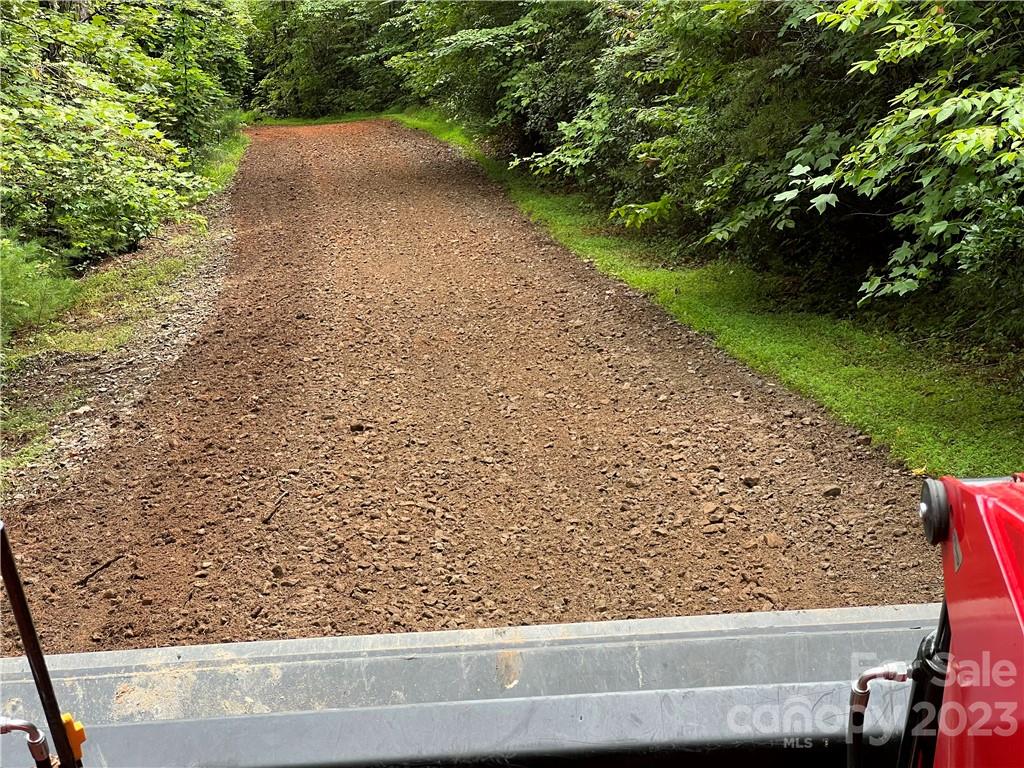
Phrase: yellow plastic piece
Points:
(76, 733)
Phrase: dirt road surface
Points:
(411, 410)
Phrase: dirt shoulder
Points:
(410, 410)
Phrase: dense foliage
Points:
(860, 150)
(105, 109)
(321, 57)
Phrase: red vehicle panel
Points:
(981, 721)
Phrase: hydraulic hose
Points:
(860, 692)
(928, 672)
(35, 739)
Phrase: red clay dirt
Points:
(410, 410)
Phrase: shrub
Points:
(102, 110)
(34, 284)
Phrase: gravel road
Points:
(410, 410)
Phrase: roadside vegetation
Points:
(115, 116)
(117, 119)
(111, 303)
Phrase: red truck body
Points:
(981, 721)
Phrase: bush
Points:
(103, 110)
(325, 57)
(34, 285)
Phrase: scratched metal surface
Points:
(475, 694)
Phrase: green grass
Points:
(108, 304)
(221, 163)
(933, 414)
(24, 431)
(107, 307)
(34, 284)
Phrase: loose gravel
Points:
(409, 409)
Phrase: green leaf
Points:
(821, 202)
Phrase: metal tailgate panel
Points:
(731, 681)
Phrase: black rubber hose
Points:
(855, 726)
(859, 694)
(917, 747)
